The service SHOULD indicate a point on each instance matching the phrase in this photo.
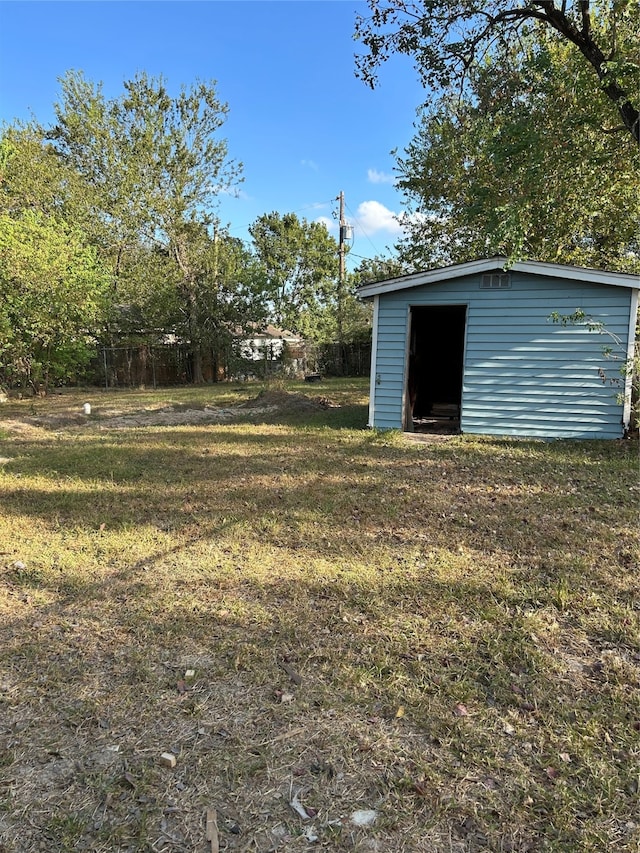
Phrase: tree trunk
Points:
(194, 334)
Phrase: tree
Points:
(52, 291)
(300, 260)
(446, 38)
(155, 167)
(377, 269)
(52, 285)
(518, 165)
(229, 297)
(32, 177)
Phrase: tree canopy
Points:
(110, 236)
(52, 294)
(446, 38)
(518, 165)
(153, 166)
(53, 284)
(528, 143)
(109, 217)
(300, 259)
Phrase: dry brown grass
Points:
(447, 633)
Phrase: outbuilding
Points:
(520, 349)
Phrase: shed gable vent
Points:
(495, 281)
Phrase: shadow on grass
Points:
(455, 612)
(439, 669)
(289, 488)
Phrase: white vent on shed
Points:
(495, 281)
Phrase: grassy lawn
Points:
(438, 639)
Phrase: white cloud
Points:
(309, 164)
(329, 224)
(374, 216)
(376, 177)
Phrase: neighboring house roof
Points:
(275, 332)
(271, 332)
(585, 274)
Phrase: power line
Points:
(316, 205)
(357, 221)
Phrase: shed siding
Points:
(523, 374)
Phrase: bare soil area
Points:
(114, 417)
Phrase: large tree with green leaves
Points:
(529, 143)
(446, 38)
(229, 297)
(53, 286)
(52, 296)
(300, 259)
(154, 166)
(33, 177)
(518, 165)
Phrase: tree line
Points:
(527, 146)
(109, 235)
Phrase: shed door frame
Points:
(406, 408)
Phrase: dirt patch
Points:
(168, 417)
(287, 402)
(428, 437)
(267, 402)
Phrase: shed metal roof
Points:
(584, 274)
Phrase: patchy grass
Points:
(446, 633)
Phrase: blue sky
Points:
(300, 122)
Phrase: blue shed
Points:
(477, 345)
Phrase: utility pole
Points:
(341, 271)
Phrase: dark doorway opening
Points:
(436, 360)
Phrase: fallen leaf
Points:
(460, 710)
(293, 675)
(299, 809)
(181, 686)
(364, 817)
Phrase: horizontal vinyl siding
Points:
(389, 379)
(524, 375)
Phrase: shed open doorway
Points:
(433, 390)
